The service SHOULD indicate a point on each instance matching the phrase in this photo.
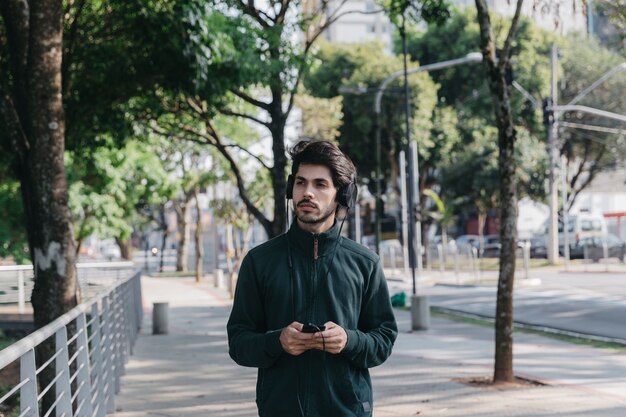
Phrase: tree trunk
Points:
(279, 182)
(34, 122)
(32, 126)
(198, 237)
(126, 249)
(495, 70)
(182, 214)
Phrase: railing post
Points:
(108, 356)
(127, 327)
(62, 368)
(29, 406)
(117, 338)
(97, 370)
(128, 323)
(138, 300)
(83, 380)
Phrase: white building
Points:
(531, 217)
(558, 16)
(361, 22)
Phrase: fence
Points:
(92, 342)
(16, 281)
(461, 260)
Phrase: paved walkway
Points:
(189, 373)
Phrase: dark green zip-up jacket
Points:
(334, 279)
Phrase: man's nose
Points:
(308, 192)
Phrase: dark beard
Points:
(320, 219)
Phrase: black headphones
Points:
(346, 195)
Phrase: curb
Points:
(535, 327)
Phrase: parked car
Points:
(491, 246)
(467, 240)
(538, 247)
(592, 247)
(580, 225)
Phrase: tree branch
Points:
(249, 9)
(486, 45)
(16, 17)
(284, 7)
(203, 139)
(227, 112)
(349, 12)
(245, 97)
(506, 50)
(259, 160)
(70, 41)
(243, 193)
(591, 173)
(307, 47)
(12, 127)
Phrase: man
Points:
(311, 308)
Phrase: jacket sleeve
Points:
(249, 341)
(371, 344)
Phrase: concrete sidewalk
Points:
(189, 373)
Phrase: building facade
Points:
(364, 20)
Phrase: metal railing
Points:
(92, 343)
(16, 281)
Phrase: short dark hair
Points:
(324, 153)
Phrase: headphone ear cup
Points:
(289, 190)
(346, 196)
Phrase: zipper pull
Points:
(315, 247)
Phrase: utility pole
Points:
(420, 308)
(590, 29)
(552, 125)
(420, 314)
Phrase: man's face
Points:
(314, 197)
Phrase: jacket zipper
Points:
(310, 318)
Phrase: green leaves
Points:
(109, 188)
(348, 71)
(13, 241)
(415, 11)
(115, 51)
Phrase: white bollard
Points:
(160, 319)
(420, 312)
(218, 278)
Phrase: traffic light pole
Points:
(552, 126)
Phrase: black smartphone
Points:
(313, 328)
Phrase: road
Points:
(587, 303)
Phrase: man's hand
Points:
(333, 339)
(294, 342)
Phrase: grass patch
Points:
(489, 323)
(486, 264)
(173, 274)
(6, 340)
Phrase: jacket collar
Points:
(305, 241)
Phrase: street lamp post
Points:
(419, 305)
(553, 233)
